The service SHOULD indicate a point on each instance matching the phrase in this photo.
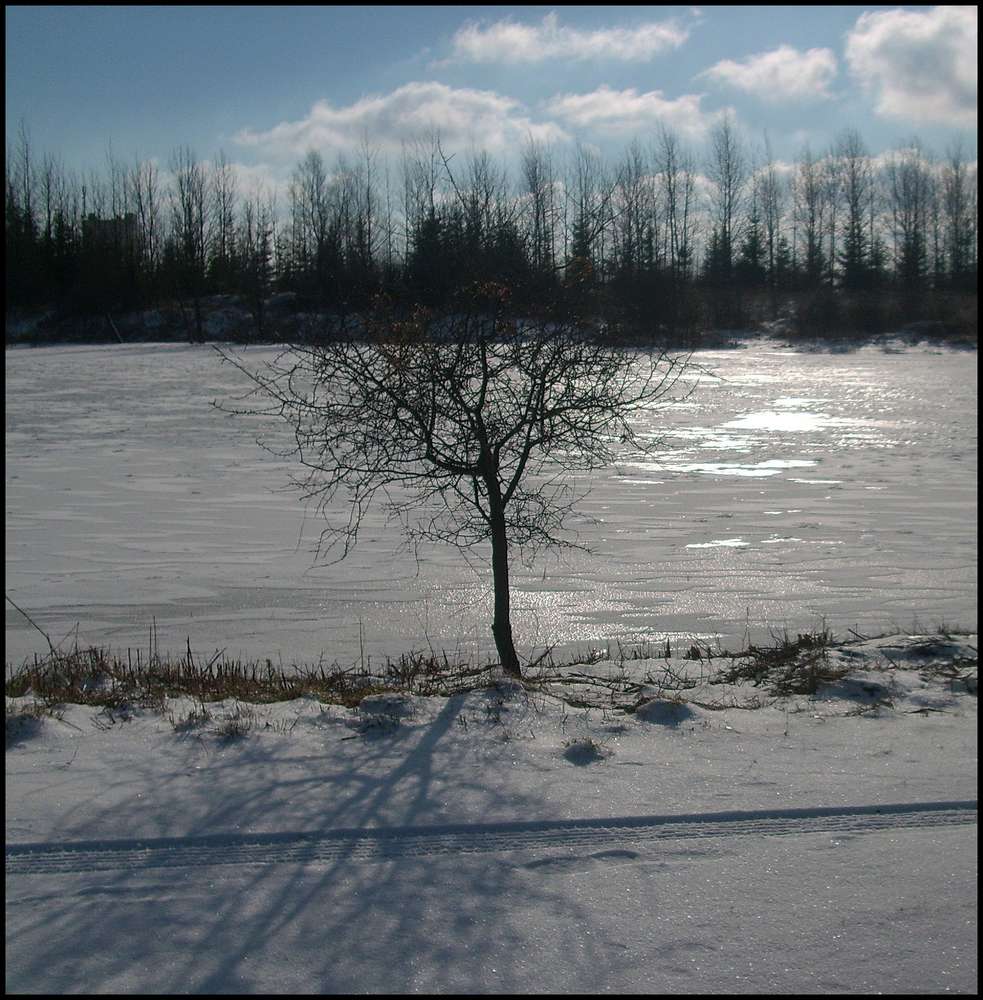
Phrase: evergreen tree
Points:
(785, 277)
(425, 270)
(751, 271)
(854, 257)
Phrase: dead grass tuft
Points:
(790, 666)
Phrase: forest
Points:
(668, 244)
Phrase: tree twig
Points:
(47, 637)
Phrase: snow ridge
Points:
(385, 844)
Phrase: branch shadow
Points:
(440, 923)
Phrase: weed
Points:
(494, 709)
(196, 716)
(96, 677)
(238, 723)
(283, 726)
(598, 677)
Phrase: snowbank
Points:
(708, 839)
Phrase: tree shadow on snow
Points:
(438, 923)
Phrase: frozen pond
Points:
(795, 487)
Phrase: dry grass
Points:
(602, 678)
(110, 681)
(790, 666)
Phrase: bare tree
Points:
(856, 180)
(224, 196)
(677, 175)
(636, 219)
(191, 226)
(811, 209)
(539, 183)
(388, 237)
(728, 170)
(476, 194)
(50, 182)
(145, 194)
(316, 251)
(772, 194)
(465, 427)
(362, 229)
(910, 192)
(424, 210)
(22, 271)
(831, 173)
(257, 240)
(25, 172)
(590, 191)
(959, 211)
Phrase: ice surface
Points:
(133, 505)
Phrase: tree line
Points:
(667, 238)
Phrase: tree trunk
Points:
(199, 324)
(258, 316)
(502, 624)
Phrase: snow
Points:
(717, 838)
(504, 841)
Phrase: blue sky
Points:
(264, 84)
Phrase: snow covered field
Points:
(794, 487)
(718, 838)
(503, 841)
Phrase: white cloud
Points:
(511, 42)
(921, 66)
(628, 111)
(782, 169)
(258, 181)
(252, 181)
(784, 74)
(478, 117)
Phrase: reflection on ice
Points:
(769, 467)
(798, 400)
(771, 420)
(726, 543)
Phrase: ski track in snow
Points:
(394, 843)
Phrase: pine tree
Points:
(751, 270)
